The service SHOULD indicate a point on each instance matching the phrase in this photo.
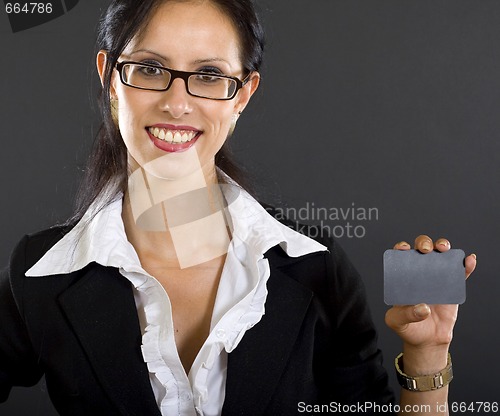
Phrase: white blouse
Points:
(239, 304)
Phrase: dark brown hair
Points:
(123, 20)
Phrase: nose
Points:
(176, 99)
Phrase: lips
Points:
(173, 138)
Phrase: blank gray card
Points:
(411, 277)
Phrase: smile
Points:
(173, 136)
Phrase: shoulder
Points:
(338, 293)
(32, 247)
(36, 296)
(335, 252)
(323, 272)
(311, 231)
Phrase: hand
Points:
(426, 328)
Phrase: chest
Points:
(192, 294)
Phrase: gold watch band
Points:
(423, 383)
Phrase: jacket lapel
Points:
(101, 310)
(256, 365)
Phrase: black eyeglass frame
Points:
(184, 75)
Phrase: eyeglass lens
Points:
(204, 85)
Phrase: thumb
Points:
(398, 317)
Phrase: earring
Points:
(114, 109)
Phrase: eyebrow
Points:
(210, 60)
(197, 62)
(149, 51)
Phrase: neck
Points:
(180, 223)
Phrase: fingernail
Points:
(473, 255)
(403, 244)
(421, 310)
(427, 246)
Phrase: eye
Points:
(151, 62)
(150, 71)
(211, 70)
(207, 78)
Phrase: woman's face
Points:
(186, 36)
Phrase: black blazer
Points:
(316, 343)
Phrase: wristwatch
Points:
(423, 383)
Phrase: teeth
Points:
(173, 136)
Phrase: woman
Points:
(173, 291)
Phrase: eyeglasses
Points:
(198, 84)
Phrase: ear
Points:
(247, 91)
(101, 60)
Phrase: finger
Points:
(398, 317)
(470, 264)
(423, 243)
(442, 245)
(402, 245)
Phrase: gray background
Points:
(382, 103)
